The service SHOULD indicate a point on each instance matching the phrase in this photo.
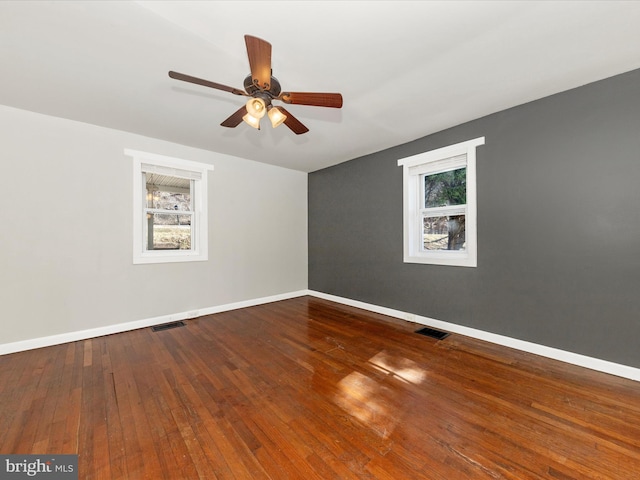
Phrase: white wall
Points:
(66, 242)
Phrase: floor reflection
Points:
(400, 367)
(375, 400)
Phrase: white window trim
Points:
(431, 162)
(201, 250)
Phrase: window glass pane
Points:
(446, 188)
(168, 193)
(444, 233)
(168, 232)
(169, 201)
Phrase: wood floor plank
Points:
(310, 389)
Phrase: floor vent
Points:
(433, 333)
(167, 326)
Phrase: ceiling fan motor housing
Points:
(272, 93)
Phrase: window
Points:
(169, 209)
(439, 190)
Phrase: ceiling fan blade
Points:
(333, 100)
(235, 119)
(206, 83)
(259, 52)
(293, 123)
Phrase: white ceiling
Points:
(405, 69)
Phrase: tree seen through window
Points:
(444, 231)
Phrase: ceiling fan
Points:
(263, 89)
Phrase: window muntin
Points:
(440, 206)
(170, 209)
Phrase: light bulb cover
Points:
(276, 116)
(252, 121)
(256, 107)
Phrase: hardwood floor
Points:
(309, 389)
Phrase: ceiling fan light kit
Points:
(263, 89)
(276, 116)
(252, 121)
(256, 107)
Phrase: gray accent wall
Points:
(558, 226)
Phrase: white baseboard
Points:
(604, 366)
(253, 302)
(597, 364)
(48, 341)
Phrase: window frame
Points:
(196, 172)
(414, 169)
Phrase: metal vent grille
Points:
(167, 326)
(433, 333)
